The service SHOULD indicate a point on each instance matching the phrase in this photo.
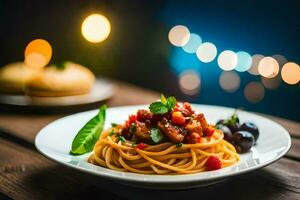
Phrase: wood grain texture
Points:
(25, 174)
(294, 152)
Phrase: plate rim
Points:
(24, 100)
(114, 175)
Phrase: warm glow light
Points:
(189, 82)
(268, 67)
(290, 73)
(227, 60)
(179, 35)
(254, 92)
(38, 53)
(193, 43)
(271, 83)
(244, 61)
(207, 52)
(254, 67)
(230, 81)
(95, 28)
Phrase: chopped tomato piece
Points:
(141, 146)
(178, 118)
(194, 127)
(143, 115)
(188, 107)
(213, 163)
(209, 131)
(193, 138)
(132, 119)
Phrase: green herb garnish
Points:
(171, 102)
(162, 107)
(163, 99)
(121, 138)
(178, 145)
(114, 124)
(89, 134)
(234, 119)
(112, 132)
(156, 135)
(133, 145)
(132, 128)
(158, 108)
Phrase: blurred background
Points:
(242, 54)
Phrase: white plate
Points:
(101, 90)
(54, 141)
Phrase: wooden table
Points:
(26, 174)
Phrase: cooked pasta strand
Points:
(164, 158)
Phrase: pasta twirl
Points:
(163, 158)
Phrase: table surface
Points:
(26, 174)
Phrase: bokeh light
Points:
(271, 83)
(255, 61)
(254, 92)
(207, 52)
(290, 73)
(227, 60)
(38, 53)
(193, 43)
(189, 82)
(244, 61)
(229, 81)
(95, 28)
(268, 67)
(179, 35)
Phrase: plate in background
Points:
(54, 141)
(101, 91)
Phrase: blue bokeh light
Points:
(244, 61)
(192, 45)
(181, 61)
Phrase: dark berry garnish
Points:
(243, 140)
(250, 127)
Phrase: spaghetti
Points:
(164, 158)
(168, 139)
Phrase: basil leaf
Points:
(132, 128)
(114, 124)
(178, 145)
(112, 132)
(89, 134)
(163, 99)
(171, 102)
(156, 135)
(158, 108)
(121, 138)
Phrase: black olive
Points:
(227, 132)
(250, 127)
(243, 140)
(234, 127)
